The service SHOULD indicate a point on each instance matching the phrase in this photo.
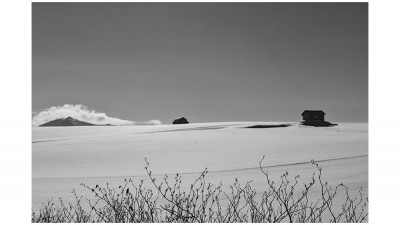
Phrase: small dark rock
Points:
(180, 120)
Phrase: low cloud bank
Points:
(82, 113)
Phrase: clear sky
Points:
(204, 61)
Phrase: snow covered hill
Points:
(65, 157)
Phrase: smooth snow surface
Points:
(65, 157)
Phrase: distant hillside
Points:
(69, 121)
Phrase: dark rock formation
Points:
(269, 126)
(317, 123)
(180, 120)
(315, 118)
(69, 121)
(313, 115)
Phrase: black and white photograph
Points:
(199, 112)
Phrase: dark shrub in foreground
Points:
(206, 202)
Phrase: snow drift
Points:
(63, 158)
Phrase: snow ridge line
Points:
(295, 164)
(216, 171)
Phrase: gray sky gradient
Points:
(204, 61)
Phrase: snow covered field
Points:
(65, 157)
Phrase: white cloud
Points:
(82, 113)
